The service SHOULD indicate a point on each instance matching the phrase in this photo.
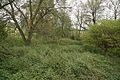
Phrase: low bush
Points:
(3, 31)
(104, 36)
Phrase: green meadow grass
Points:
(64, 61)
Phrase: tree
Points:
(64, 21)
(114, 5)
(37, 10)
(82, 17)
(31, 11)
(94, 8)
(57, 24)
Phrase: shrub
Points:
(3, 31)
(104, 36)
(4, 52)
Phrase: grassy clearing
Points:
(63, 61)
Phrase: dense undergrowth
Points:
(50, 60)
(103, 37)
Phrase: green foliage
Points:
(75, 34)
(104, 36)
(59, 32)
(3, 31)
(3, 35)
(53, 25)
(67, 61)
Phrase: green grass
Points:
(64, 61)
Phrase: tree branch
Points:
(47, 11)
(2, 6)
(21, 13)
(37, 9)
(16, 23)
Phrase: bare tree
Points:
(94, 7)
(82, 17)
(114, 5)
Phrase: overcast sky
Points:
(74, 4)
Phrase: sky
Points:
(74, 4)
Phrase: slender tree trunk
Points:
(94, 21)
(63, 34)
(80, 29)
(12, 14)
(94, 17)
(20, 30)
(115, 14)
(81, 22)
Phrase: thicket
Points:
(3, 31)
(3, 36)
(103, 37)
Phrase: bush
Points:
(104, 36)
(4, 52)
(3, 31)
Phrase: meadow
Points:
(64, 59)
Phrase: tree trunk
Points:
(94, 21)
(30, 34)
(20, 30)
(94, 17)
(115, 15)
(63, 34)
